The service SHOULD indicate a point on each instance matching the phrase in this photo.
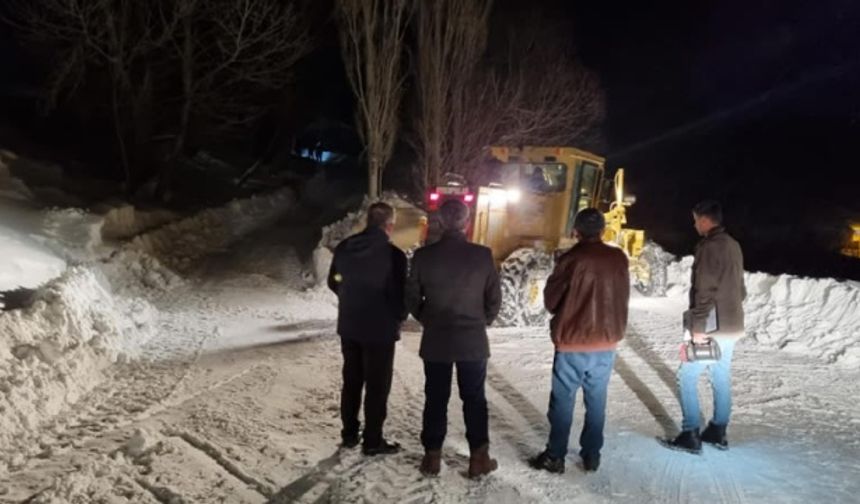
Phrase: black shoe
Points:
(349, 441)
(545, 462)
(716, 435)
(687, 441)
(383, 448)
(590, 463)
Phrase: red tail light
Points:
(434, 196)
(469, 198)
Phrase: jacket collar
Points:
(376, 232)
(715, 231)
(454, 235)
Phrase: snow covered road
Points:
(261, 424)
(236, 400)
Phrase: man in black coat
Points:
(453, 290)
(368, 275)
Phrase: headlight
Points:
(513, 195)
(498, 198)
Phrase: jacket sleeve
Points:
(413, 292)
(707, 281)
(399, 267)
(492, 292)
(557, 286)
(334, 277)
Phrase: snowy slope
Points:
(103, 309)
(26, 263)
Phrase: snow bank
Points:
(36, 244)
(820, 317)
(54, 352)
(355, 221)
(349, 225)
(26, 263)
(125, 221)
(179, 243)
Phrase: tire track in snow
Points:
(654, 360)
(723, 482)
(215, 454)
(346, 476)
(645, 396)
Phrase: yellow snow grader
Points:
(852, 244)
(523, 210)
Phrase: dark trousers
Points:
(437, 390)
(365, 366)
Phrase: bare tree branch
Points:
(372, 44)
(230, 56)
(538, 94)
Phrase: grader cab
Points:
(852, 242)
(524, 209)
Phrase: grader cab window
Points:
(538, 178)
(586, 185)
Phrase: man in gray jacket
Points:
(717, 285)
(453, 290)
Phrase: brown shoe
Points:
(480, 462)
(431, 464)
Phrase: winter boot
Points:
(716, 435)
(590, 462)
(688, 441)
(480, 462)
(546, 462)
(431, 464)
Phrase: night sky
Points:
(755, 103)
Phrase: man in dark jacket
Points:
(587, 295)
(368, 274)
(717, 286)
(453, 290)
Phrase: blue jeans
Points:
(721, 384)
(571, 370)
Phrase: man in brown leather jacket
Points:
(587, 295)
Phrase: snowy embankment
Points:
(819, 317)
(91, 307)
(352, 223)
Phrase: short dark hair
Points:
(379, 215)
(454, 215)
(590, 223)
(710, 209)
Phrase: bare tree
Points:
(535, 93)
(109, 36)
(543, 97)
(225, 55)
(451, 40)
(229, 54)
(372, 44)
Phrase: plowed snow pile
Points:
(349, 225)
(354, 221)
(96, 312)
(820, 317)
(54, 352)
(179, 243)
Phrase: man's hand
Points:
(700, 338)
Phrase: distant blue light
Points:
(317, 155)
